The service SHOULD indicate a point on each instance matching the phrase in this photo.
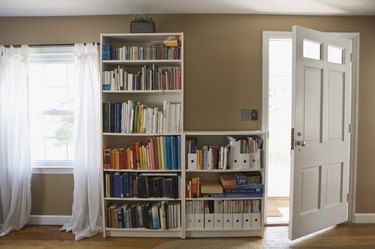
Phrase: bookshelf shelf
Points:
(141, 199)
(142, 171)
(143, 229)
(143, 91)
(222, 198)
(223, 170)
(224, 133)
(130, 64)
(143, 62)
(142, 232)
(221, 230)
(140, 134)
(219, 233)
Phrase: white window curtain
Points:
(87, 214)
(15, 163)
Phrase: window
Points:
(311, 49)
(335, 54)
(51, 101)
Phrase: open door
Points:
(320, 131)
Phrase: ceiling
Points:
(115, 7)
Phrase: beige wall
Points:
(52, 194)
(223, 73)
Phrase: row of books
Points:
(131, 185)
(159, 153)
(219, 214)
(149, 78)
(134, 117)
(223, 206)
(193, 188)
(152, 51)
(208, 158)
(159, 215)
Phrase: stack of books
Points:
(241, 185)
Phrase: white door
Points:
(320, 118)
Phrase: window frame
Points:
(52, 54)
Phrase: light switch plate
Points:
(254, 114)
(245, 114)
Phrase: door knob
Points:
(301, 143)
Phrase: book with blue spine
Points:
(116, 185)
(169, 152)
(173, 152)
(122, 194)
(178, 152)
(106, 52)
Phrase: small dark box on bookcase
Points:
(139, 27)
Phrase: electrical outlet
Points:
(245, 114)
(254, 114)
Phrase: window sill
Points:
(53, 170)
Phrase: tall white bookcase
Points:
(133, 61)
(123, 139)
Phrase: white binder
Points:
(219, 221)
(254, 160)
(192, 161)
(199, 221)
(255, 220)
(246, 220)
(190, 221)
(244, 161)
(228, 220)
(237, 220)
(209, 221)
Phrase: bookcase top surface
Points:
(138, 37)
(143, 62)
(225, 133)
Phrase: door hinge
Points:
(351, 57)
(292, 139)
(347, 197)
(350, 128)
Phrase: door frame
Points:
(354, 37)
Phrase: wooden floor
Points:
(47, 237)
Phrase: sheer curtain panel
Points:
(87, 214)
(15, 163)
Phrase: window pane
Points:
(311, 49)
(51, 113)
(55, 150)
(335, 54)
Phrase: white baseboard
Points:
(49, 219)
(364, 218)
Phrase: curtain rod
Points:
(50, 45)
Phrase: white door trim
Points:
(354, 112)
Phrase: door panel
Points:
(320, 118)
(313, 104)
(336, 93)
(311, 178)
(334, 184)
